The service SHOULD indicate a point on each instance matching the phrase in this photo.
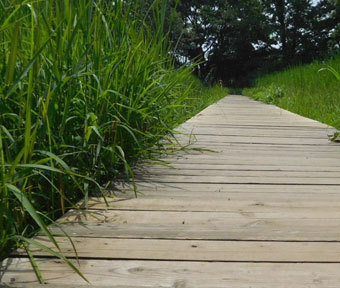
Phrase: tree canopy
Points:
(235, 40)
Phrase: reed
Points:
(87, 88)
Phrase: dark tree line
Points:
(235, 40)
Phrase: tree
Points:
(301, 29)
(226, 35)
(233, 40)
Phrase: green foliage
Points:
(221, 34)
(302, 28)
(308, 90)
(336, 136)
(87, 88)
(271, 94)
(235, 40)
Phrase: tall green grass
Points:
(87, 88)
(308, 90)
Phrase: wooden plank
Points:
(253, 139)
(256, 122)
(251, 229)
(188, 250)
(220, 158)
(165, 171)
(295, 119)
(228, 149)
(175, 274)
(222, 149)
(238, 179)
(220, 112)
(235, 210)
(254, 113)
(330, 148)
(200, 196)
(225, 151)
(233, 148)
(230, 167)
(250, 125)
(279, 122)
(216, 111)
(244, 127)
(280, 206)
(256, 131)
(182, 189)
(246, 160)
(283, 193)
(210, 148)
(234, 110)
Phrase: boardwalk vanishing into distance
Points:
(255, 204)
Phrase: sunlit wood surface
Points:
(254, 201)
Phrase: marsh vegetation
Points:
(87, 88)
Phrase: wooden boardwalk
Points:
(260, 207)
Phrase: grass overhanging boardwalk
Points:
(258, 207)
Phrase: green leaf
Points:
(26, 69)
(53, 253)
(36, 166)
(33, 263)
(336, 137)
(31, 210)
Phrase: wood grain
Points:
(253, 229)
(262, 206)
(177, 274)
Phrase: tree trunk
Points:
(281, 12)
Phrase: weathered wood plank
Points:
(205, 139)
(186, 129)
(246, 160)
(246, 121)
(174, 274)
(275, 156)
(250, 125)
(240, 168)
(261, 229)
(188, 250)
(234, 210)
(201, 196)
(164, 178)
(231, 151)
(330, 148)
(197, 197)
(155, 171)
(225, 190)
(315, 207)
(256, 131)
